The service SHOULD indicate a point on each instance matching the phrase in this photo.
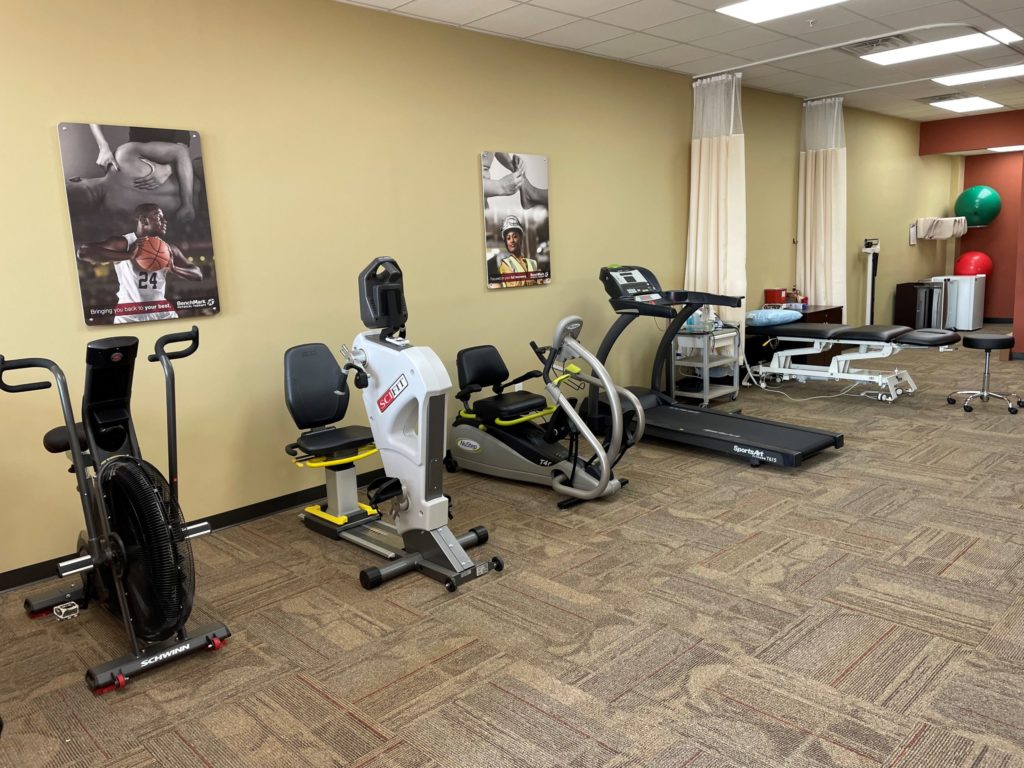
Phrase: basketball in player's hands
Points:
(153, 254)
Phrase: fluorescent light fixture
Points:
(967, 104)
(1014, 148)
(982, 75)
(757, 11)
(942, 47)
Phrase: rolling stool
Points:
(988, 342)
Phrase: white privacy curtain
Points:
(821, 209)
(716, 246)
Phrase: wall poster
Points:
(139, 221)
(516, 241)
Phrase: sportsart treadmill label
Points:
(384, 401)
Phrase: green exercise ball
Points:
(979, 205)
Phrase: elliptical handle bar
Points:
(173, 338)
(164, 357)
(26, 362)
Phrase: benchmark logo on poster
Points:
(385, 400)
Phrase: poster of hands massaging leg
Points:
(517, 245)
(139, 222)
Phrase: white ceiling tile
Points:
(455, 11)
(933, 14)
(580, 34)
(732, 42)
(696, 27)
(845, 33)
(669, 57)
(583, 8)
(1011, 17)
(388, 4)
(709, 64)
(808, 21)
(990, 6)
(628, 46)
(872, 9)
(522, 21)
(645, 14)
(781, 47)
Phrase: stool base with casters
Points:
(987, 342)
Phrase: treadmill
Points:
(635, 292)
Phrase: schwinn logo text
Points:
(385, 400)
(166, 655)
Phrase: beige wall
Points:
(889, 186)
(331, 135)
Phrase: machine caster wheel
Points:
(1020, 403)
(450, 463)
(734, 397)
(450, 585)
(1012, 409)
(968, 408)
(951, 400)
(497, 563)
(216, 643)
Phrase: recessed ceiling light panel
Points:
(982, 75)
(758, 11)
(1014, 148)
(943, 47)
(967, 104)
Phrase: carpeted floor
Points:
(866, 609)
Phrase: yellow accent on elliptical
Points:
(317, 463)
(317, 511)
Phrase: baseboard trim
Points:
(19, 577)
(997, 320)
(1017, 356)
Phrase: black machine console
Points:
(635, 290)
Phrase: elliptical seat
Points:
(483, 366)
(327, 442)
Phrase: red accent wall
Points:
(1003, 240)
(1000, 239)
(961, 134)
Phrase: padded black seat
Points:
(327, 442)
(988, 341)
(56, 440)
(878, 333)
(508, 405)
(930, 337)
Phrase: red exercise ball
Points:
(973, 263)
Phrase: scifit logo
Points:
(385, 400)
(469, 445)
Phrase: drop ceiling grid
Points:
(691, 38)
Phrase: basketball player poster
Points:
(140, 224)
(516, 242)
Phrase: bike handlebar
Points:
(191, 336)
(25, 362)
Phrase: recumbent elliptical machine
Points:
(135, 549)
(405, 393)
(499, 435)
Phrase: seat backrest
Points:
(481, 365)
(312, 379)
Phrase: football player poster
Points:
(139, 222)
(516, 242)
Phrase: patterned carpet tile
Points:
(932, 746)
(958, 612)
(983, 700)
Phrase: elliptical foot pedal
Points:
(66, 611)
(384, 489)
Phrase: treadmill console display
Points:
(634, 283)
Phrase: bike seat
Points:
(508, 405)
(327, 442)
(56, 440)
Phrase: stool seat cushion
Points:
(988, 341)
